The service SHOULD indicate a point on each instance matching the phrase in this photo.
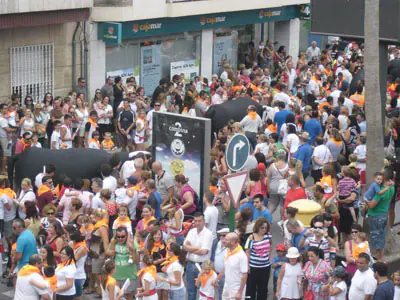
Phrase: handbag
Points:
(283, 185)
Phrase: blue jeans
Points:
(191, 274)
(177, 294)
(79, 287)
(378, 225)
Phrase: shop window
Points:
(32, 71)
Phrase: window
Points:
(32, 71)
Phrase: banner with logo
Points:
(125, 74)
(182, 145)
(225, 52)
(188, 67)
(150, 68)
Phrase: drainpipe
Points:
(74, 57)
(85, 60)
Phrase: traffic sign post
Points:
(237, 152)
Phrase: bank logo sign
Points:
(146, 27)
(269, 13)
(212, 20)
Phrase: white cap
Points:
(223, 230)
(293, 253)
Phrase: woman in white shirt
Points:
(147, 278)
(27, 123)
(81, 252)
(337, 284)
(26, 194)
(82, 115)
(141, 128)
(65, 273)
(105, 113)
(292, 140)
(174, 270)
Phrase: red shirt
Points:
(293, 195)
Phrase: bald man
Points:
(236, 265)
(164, 182)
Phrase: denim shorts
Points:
(378, 225)
(79, 287)
(177, 294)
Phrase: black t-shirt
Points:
(118, 95)
(126, 118)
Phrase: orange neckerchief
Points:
(315, 79)
(233, 252)
(102, 222)
(185, 110)
(340, 83)
(14, 247)
(146, 222)
(152, 270)
(96, 142)
(94, 124)
(337, 143)
(8, 192)
(85, 229)
(28, 270)
(213, 189)
(25, 144)
(141, 244)
(328, 72)
(273, 128)
(52, 281)
(43, 189)
(252, 115)
(65, 264)
(169, 261)
(203, 278)
(157, 246)
(79, 244)
(110, 280)
(57, 190)
(108, 144)
(123, 223)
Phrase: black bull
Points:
(75, 163)
(236, 110)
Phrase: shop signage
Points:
(150, 67)
(188, 67)
(165, 26)
(305, 12)
(182, 145)
(111, 33)
(125, 74)
(225, 52)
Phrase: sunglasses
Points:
(317, 227)
(157, 105)
(354, 231)
(263, 227)
(51, 213)
(121, 236)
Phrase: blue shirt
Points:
(257, 213)
(372, 190)
(363, 126)
(384, 291)
(296, 240)
(314, 128)
(275, 260)
(280, 118)
(304, 153)
(26, 244)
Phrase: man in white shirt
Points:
(363, 283)
(314, 85)
(282, 96)
(210, 213)
(127, 169)
(218, 97)
(292, 75)
(236, 268)
(218, 258)
(198, 245)
(97, 185)
(132, 196)
(24, 290)
(149, 118)
(49, 170)
(313, 51)
(346, 73)
(321, 155)
(109, 182)
(335, 94)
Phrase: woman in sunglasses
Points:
(124, 250)
(349, 249)
(317, 238)
(49, 214)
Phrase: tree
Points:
(373, 107)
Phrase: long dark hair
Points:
(245, 216)
(31, 211)
(353, 123)
(331, 230)
(44, 98)
(176, 250)
(51, 261)
(150, 240)
(58, 228)
(70, 253)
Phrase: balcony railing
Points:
(112, 3)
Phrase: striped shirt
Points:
(322, 245)
(259, 251)
(345, 186)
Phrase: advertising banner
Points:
(182, 145)
(189, 67)
(225, 52)
(125, 74)
(150, 68)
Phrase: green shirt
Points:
(384, 200)
(123, 269)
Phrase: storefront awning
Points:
(43, 18)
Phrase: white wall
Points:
(24, 6)
(97, 62)
(152, 9)
(207, 38)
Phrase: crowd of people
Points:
(136, 231)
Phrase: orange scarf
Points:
(123, 223)
(110, 281)
(185, 110)
(315, 79)
(203, 278)
(152, 270)
(86, 229)
(102, 222)
(146, 222)
(213, 189)
(273, 128)
(8, 192)
(53, 282)
(25, 145)
(65, 264)
(96, 142)
(169, 261)
(337, 143)
(28, 270)
(79, 244)
(94, 124)
(157, 246)
(230, 253)
(252, 115)
(43, 189)
(108, 144)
